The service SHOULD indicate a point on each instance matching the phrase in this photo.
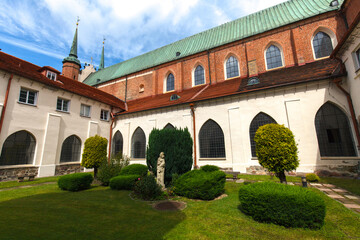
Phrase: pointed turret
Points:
(71, 64)
(102, 65)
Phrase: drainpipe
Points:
(5, 102)
(208, 54)
(193, 115)
(110, 138)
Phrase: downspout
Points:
(110, 138)
(208, 54)
(5, 101)
(194, 133)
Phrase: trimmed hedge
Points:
(198, 184)
(75, 182)
(94, 152)
(147, 188)
(134, 169)
(209, 168)
(125, 182)
(285, 205)
(312, 177)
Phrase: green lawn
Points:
(45, 212)
(35, 181)
(267, 178)
(352, 185)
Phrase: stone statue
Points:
(161, 170)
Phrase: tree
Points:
(94, 153)
(276, 149)
(177, 147)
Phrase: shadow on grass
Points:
(92, 214)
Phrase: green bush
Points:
(75, 182)
(109, 170)
(281, 204)
(177, 147)
(147, 188)
(94, 153)
(134, 169)
(125, 182)
(312, 177)
(198, 184)
(209, 168)
(276, 149)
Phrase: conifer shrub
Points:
(198, 184)
(147, 188)
(281, 204)
(134, 169)
(124, 182)
(312, 177)
(276, 149)
(209, 168)
(108, 170)
(75, 182)
(177, 146)
(94, 153)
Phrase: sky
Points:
(41, 31)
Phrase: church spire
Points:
(102, 65)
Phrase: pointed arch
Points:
(323, 42)
(71, 149)
(199, 75)
(117, 143)
(211, 139)
(259, 120)
(169, 82)
(18, 148)
(333, 132)
(138, 143)
(169, 126)
(231, 67)
(274, 56)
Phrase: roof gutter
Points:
(5, 101)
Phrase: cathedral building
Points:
(296, 64)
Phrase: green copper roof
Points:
(101, 66)
(262, 21)
(73, 52)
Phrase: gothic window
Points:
(273, 57)
(117, 143)
(71, 149)
(322, 45)
(258, 121)
(232, 67)
(211, 139)
(169, 126)
(333, 132)
(138, 144)
(199, 75)
(18, 149)
(170, 82)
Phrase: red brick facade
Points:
(71, 70)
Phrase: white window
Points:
(51, 75)
(62, 105)
(85, 110)
(27, 96)
(356, 56)
(104, 115)
(273, 57)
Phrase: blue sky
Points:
(41, 31)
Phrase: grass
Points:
(12, 184)
(267, 178)
(352, 185)
(100, 213)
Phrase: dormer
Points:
(49, 72)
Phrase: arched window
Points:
(169, 126)
(333, 132)
(170, 82)
(211, 139)
(322, 45)
(232, 67)
(258, 121)
(273, 57)
(18, 148)
(199, 75)
(138, 144)
(117, 143)
(71, 149)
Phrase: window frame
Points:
(27, 96)
(62, 105)
(101, 115)
(211, 145)
(281, 56)
(74, 154)
(193, 75)
(356, 58)
(166, 82)
(330, 34)
(142, 151)
(52, 74)
(225, 68)
(83, 114)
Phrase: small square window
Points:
(357, 59)
(62, 105)
(28, 96)
(104, 115)
(85, 110)
(51, 75)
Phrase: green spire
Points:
(102, 65)
(73, 52)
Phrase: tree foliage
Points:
(94, 152)
(276, 149)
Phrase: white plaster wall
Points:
(35, 119)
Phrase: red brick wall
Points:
(71, 70)
(352, 9)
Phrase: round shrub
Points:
(209, 168)
(75, 182)
(134, 169)
(125, 182)
(198, 184)
(281, 204)
(94, 153)
(147, 188)
(109, 170)
(312, 177)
